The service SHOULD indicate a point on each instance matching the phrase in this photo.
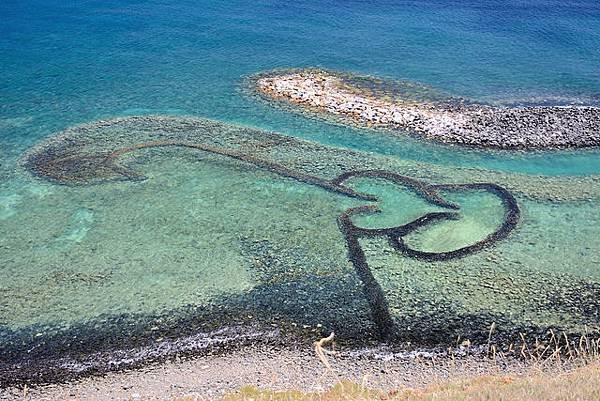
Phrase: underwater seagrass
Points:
(69, 160)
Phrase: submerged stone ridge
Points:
(424, 112)
(90, 144)
(71, 161)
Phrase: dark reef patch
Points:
(47, 354)
(584, 300)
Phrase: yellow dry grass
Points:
(581, 384)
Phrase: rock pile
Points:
(465, 124)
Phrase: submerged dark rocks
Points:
(528, 127)
(451, 121)
(75, 166)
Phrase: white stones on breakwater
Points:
(449, 122)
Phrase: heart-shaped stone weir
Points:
(395, 235)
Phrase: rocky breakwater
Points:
(452, 122)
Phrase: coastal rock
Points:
(459, 122)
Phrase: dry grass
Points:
(581, 384)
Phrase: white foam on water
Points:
(194, 343)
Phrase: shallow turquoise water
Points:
(202, 232)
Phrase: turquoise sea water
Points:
(201, 229)
(74, 62)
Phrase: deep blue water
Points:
(68, 62)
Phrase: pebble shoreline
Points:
(476, 125)
(210, 377)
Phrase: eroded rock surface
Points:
(451, 121)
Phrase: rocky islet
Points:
(452, 121)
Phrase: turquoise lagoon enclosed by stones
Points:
(170, 249)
